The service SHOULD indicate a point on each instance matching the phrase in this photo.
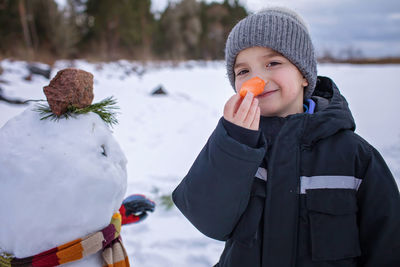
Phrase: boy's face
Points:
(283, 93)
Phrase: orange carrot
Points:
(254, 85)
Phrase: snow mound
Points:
(60, 180)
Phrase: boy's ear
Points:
(305, 82)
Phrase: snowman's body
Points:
(60, 180)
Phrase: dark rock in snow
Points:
(28, 77)
(33, 69)
(139, 71)
(159, 90)
(11, 101)
(69, 87)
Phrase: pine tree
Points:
(180, 28)
(217, 21)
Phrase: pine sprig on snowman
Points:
(105, 109)
(63, 183)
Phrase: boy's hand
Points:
(243, 112)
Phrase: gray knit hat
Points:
(281, 30)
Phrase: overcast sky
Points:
(371, 26)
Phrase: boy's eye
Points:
(273, 63)
(242, 72)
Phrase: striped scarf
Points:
(108, 240)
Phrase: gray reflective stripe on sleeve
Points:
(261, 173)
(321, 182)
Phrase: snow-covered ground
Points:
(162, 135)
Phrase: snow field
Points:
(162, 135)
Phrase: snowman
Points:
(63, 178)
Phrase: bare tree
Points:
(25, 28)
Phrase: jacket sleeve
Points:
(379, 215)
(216, 190)
(242, 135)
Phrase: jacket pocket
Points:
(333, 224)
(247, 230)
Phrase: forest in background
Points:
(103, 30)
(110, 30)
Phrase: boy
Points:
(287, 184)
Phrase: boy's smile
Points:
(266, 93)
(283, 93)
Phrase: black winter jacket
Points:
(328, 198)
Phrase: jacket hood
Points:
(332, 113)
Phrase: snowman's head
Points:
(60, 180)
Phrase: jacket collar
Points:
(332, 113)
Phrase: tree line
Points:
(110, 30)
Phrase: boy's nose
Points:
(263, 77)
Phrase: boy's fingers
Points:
(244, 107)
(237, 103)
(252, 112)
(231, 106)
(256, 122)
